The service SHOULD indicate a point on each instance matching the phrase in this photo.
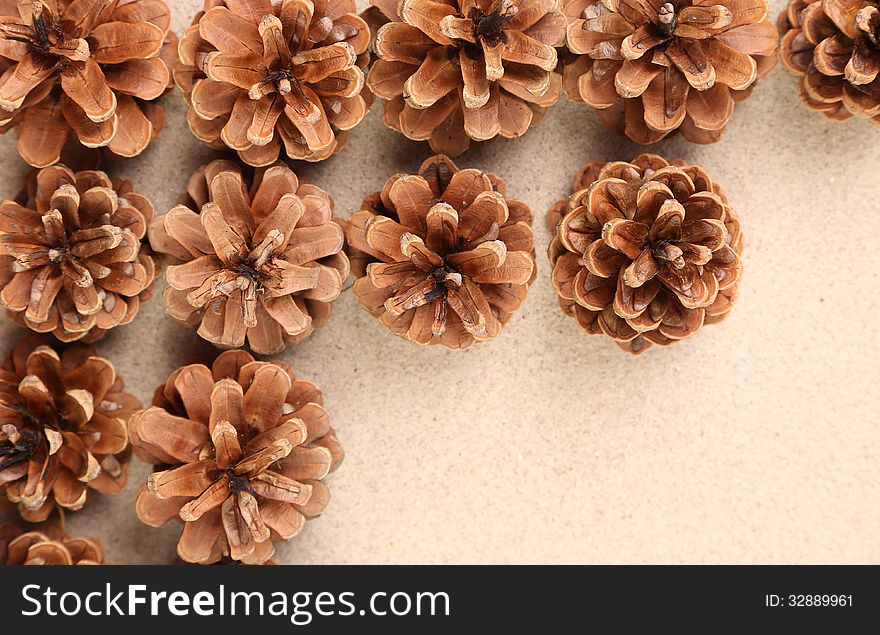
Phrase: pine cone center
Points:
(278, 61)
(49, 36)
(68, 250)
(237, 483)
(19, 444)
(247, 271)
(435, 287)
(443, 279)
(665, 251)
(286, 72)
(255, 269)
(439, 281)
(477, 32)
(33, 432)
(666, 19)
(490, 26)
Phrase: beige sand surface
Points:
(757, 441)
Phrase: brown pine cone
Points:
(62, 427)
(93, 68)
(73, 260)
(262, 260)
(645, 252)
(460, 70)
(260, 75)
(241, 451)
(834, 47)
(48, 546)
(442, 257)
(652, 68)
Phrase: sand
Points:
(756, 441)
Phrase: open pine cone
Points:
(459, 70)
(645, 252)
(259, 75)
(834, 47)
(93, 68)
(652, 68)
(48, 546)
(442, 257)
(73, 255)
(262, 260)
(62, 427)
(241, 450)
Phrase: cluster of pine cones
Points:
(292, 78)
(645, 252)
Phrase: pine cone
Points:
(41, 548)
(834, 47)
(262, 261)
(439, 240)
(460, 70)
(654, 68)
(62, 427)
(93, 68)
(73, 257)
(241, 451)
(259, 75)
(645, 252)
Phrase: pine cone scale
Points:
(435, 78)
(211, 498)
(87, 87)
(864, 65)
(155, 512)
(843, 14)
(193, 274)
(47, 546)
(118, 42)
(142, 78)
(759, 38)
(238, 70)
(171, 439)
(710, 109)
(26, 76)
(665, 101)
(229, 32)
